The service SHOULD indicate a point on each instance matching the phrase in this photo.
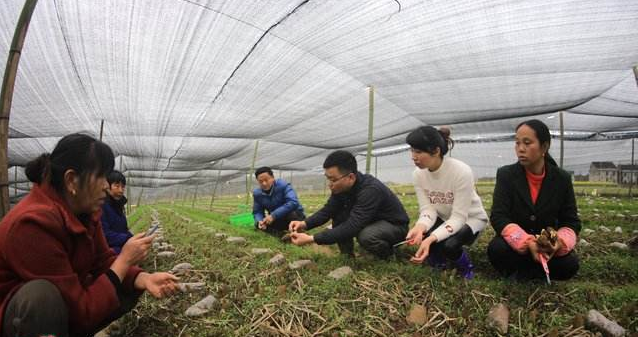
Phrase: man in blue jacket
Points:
(114, 222)
(278, 198)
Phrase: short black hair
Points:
(116, 177)
(264, 169)
(343, 160)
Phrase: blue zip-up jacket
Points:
(279, 201)
(114, 223)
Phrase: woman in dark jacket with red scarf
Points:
(530, 196)
(57, 274)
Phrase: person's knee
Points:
(44, 293)
(568, 268)
(498, 248)
(374, 243)
(452, 248)
(38, 302)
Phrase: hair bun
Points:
(36, 169)
(445, 132)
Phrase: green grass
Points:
(377, 299)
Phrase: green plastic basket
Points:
(242, 219)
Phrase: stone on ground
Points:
(166, 254)
(201, 307)
(300, 264)
(261, 251)
(340, 272)
(498, 317)
(601, 323)
(418, 315)
(619, 245)
(188, 287)
(278, 259)
(236, 240)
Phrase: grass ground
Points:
(257, 299)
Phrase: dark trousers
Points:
(452, 247)
(377, 238)
(38, 309)
(280, 225)
(508, 262)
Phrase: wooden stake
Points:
(6, 96)
(370, 126)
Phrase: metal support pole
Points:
(219, 173)
(562, 138)
(376, 166)
(195, 196)
(325, 185)
(101, 129)
(247, 191)
(128, 195)
(250, 173)
(139, 198)
(6, 96)
(370, 126)
(631, 177)
(15, 181)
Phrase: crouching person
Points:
(451, 213)
(360, 206)
(278, 198)
(530, 196)
(58, 276)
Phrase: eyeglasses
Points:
(334, 180)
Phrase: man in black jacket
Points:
(360, 206)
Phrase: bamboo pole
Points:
(370, 126)
(128, 196)
(15, 181)
(250, 173)
(195, 196)
(562, 138)
(101, 129)
(6, 96)
(219, 173)
(139, 198)
(631, 177)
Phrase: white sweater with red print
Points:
(448, 193)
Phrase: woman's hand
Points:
(415, 235)
(159, 285)
(136, 249)
(549, 249)
(534, 250)
(424, 250)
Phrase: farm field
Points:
(258, 299)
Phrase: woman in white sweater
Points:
(451, 214)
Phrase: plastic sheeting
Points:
(186, 87)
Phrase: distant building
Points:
(604, 171)
(627, 174)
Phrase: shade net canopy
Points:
(186, 89)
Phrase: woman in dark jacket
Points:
(58, 277)
(531, 195)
